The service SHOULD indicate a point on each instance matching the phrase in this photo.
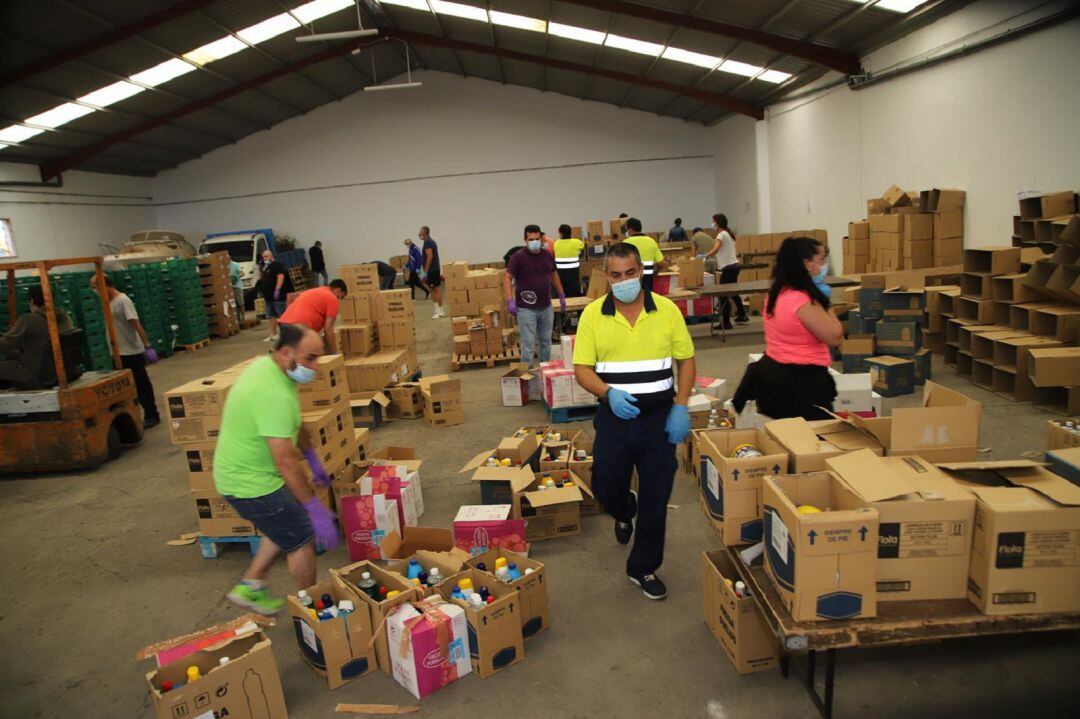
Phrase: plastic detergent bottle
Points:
(304, 597)
(392, 593)
(414, 569)
(481, 566)
(484, 593)
(433, 577)
(529, 570)
(456, 594)
(476, 601)
(327, 600)
(382, 593)
(514, 572)
(368, 586)
(166, 687)
(465, 585)
(193, 674)
(416, 581)
(500, 562)
(502, 574)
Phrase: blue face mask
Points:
(533, 245)
(822, 273)
(300, 374)
(627, 290)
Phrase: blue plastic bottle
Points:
(456, 594)
(515, 573)
(414, 569)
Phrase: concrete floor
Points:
(89, 580)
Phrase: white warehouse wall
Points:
(459, 155)
(995, 123)
(70, 221)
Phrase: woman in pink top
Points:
(792, 379)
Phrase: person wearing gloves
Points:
(628, 343)
(527, 284)
(276, 286)
(135, 350)
(257, 468)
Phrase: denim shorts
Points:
(278, 516)
(275, 308)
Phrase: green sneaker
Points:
(256, 599)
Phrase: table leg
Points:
(823, 702)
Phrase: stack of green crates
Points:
(142, 283)
(180, 279)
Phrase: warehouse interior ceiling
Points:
(138, 86)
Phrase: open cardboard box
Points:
(498, 485)
(736, 622)
(531, 587)
(338, 649)
(495, 641)
(809, 444)
(1027, 537)
(551, 513)
(731, 486)
(344, 580)
(944, 429)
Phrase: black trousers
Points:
(571, 281)
(15, 374)
(143, 388)
(730, 275)
(621, 446)
(386, 282)
(415, 284)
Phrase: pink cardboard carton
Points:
(480, 527)
(428, 645)
(366, 520)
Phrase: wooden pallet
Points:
(299, 281)
(561, 415)
(211, 546)
(197, 346)
(250, 322)
(511, 354)
(222, 335)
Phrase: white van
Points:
(244, 249)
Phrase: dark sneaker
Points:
(727, 325)
(151, 422)
(623, 532)
(742, 319)
(651, 586)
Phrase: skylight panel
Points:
(163, 72)
(901, 6)
(457, 9)
(629, 44)
(571, 32)
(215, 50)
(740, 68)
(18, 133)
(414, 4)
(59, 115)
(316, 9)
(111, 94)
(519, 21)
(269, 28)
(774, 76)
(691, 58)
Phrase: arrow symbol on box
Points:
(484, 620)
(813, 535)
(862, 533)
(511, 607)
(735, 474)
(776, 469)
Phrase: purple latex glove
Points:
(151, 355)
(318, 471)
(277, 295)
(322, 520)
(562, 302)
(511, 307)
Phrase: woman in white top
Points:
(727, 262)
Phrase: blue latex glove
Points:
(562, 302)
(622, 403)
(678, 424)
(322, 521)
(700, 257)
(151, 355)
(423, 275)
(318, 471)
(511, 307)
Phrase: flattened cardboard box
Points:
(730, 486)
(531, 587)
(495, 641)
(339, 649)
(809, 444)
(736, 622)
(247, 687)
(1025, 556)
(823, 565)
(926, 523)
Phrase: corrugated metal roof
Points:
(35, 30)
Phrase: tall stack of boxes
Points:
(219, 301)
(947, 207)
(857, 248)
(481, 325)
(326, 416)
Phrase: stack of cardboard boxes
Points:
(1043, 218)
(327, 417)
(218, 297)
(486, 335)
(885, 337)
(857, 248)
(481, 325)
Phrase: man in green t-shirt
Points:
(257, 469)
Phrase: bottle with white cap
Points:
(740, 589)
(434, 577)
(305, 598)
(223, 661)
(476, 600)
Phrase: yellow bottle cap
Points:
(465, 584)
(808, 509)
(500, 562)
(416, 581)
(192, 673)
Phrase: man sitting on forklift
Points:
(26, 356)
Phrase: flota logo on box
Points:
(434, 659)
(481, 538)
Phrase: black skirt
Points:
(787, 390)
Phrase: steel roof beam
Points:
(839, 60)
(114, 35)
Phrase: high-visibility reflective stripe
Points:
(652, 365)
(648, 267)
(567, 264)
(641, 388)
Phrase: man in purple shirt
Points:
(532, 274)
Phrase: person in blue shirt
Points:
(415, 263)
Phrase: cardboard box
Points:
(897, 338)
(854, 351)
(442, 401)
(1055, 367)
(396, 333)
(992, 260)
(216, 516)
(1027, 538)
(365, 521)
(393, 305)
(926, 523)
(498, 484)
(360, 279)
(478, 528)
(919, 255)
(858, 230)
(1065, 463)
(1060, 436)
(517, 385)
(948, 247)
(406, 401)
(368, 409)
(896, 197)
(338, 649)
(531, 587)
(892, 376)
(944, 200)
(736, 622)
(1051, 204)
(428, 645)
(809, 444)
(251, 673)
(550, 513)
(823, 565)
(918, 227)
(944, 429)
(382, 369)
(924, 363)
(903, 305)
(948, 224)
(355, 340)
(1059, 321)
(356, 308)
(495, 640)
(194, 409)
(731, 486)
(876, 206)
(893, 224)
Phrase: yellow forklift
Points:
(89, 416)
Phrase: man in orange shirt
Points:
(318, 309)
